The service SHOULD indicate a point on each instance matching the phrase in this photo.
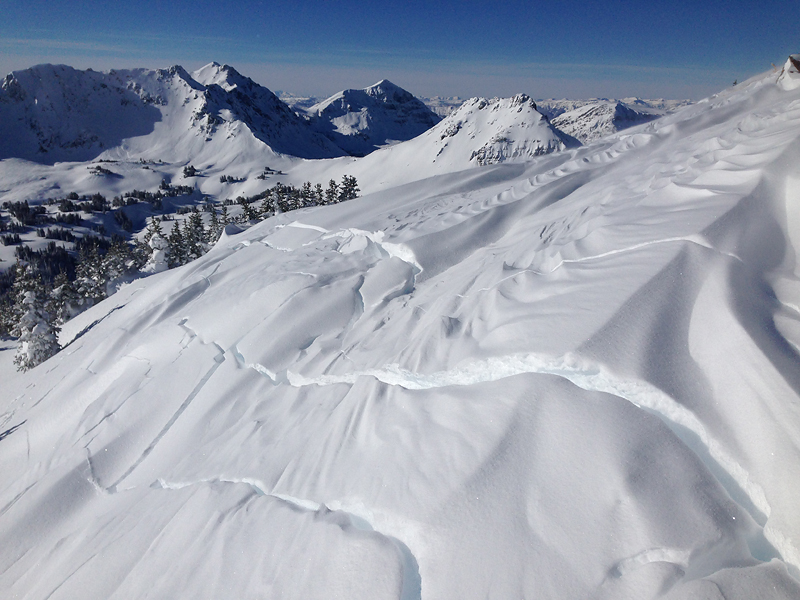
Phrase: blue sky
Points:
(615, 48)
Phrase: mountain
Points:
(569, 377)
(55, 113)
(589, 120)
(594, 121)
(480, 132)
(360, 121)
(441, 105)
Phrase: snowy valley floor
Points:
(577, 377)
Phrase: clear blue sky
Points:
(558, 49)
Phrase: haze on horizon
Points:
(572, 49)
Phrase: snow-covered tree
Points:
(90, 280)
(152, 251)
(65, 301)
(36, 329)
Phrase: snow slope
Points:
(360, 121)
(572, 377)
(55, 113)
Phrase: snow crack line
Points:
(584, 374)
(218, 360)
(411, 581)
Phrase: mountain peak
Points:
(361, 120)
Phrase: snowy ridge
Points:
(567, 377)
(58, 113)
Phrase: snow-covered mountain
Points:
(481, 132)
(54, 113)
(594, 121)
(574, 376)
(589, 120)
(442, 105)
(362, 120)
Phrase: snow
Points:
(564, 373)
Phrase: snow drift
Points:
(571, 377)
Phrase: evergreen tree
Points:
(349, 188)
(36, 329)
(319, 194)
(116, 263)
(89, 280)
(307, 194)
(193, 235)
(224, 219)
(332, 193)
(24, 281)
(65, 302)
(267, 208)
(215, 228)
(7, 319)
(248, 213)
(177, 249)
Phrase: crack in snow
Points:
(411, 587)
(692, 239)
(582, 373)
(218, 360)
(11, 430)
(674, 556)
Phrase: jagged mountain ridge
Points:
(55, 113)
(480, 132)
(361, 120)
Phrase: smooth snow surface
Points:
(575, 376)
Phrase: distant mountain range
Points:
(54, 113)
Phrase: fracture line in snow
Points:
(584, 374)
(692, 239)
(218, 360)
(411, 580)
(676, 556)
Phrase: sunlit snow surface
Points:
(577, 377)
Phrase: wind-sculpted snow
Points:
(573, 377)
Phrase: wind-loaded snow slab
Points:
(571, 378)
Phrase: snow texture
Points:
(562, 374)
